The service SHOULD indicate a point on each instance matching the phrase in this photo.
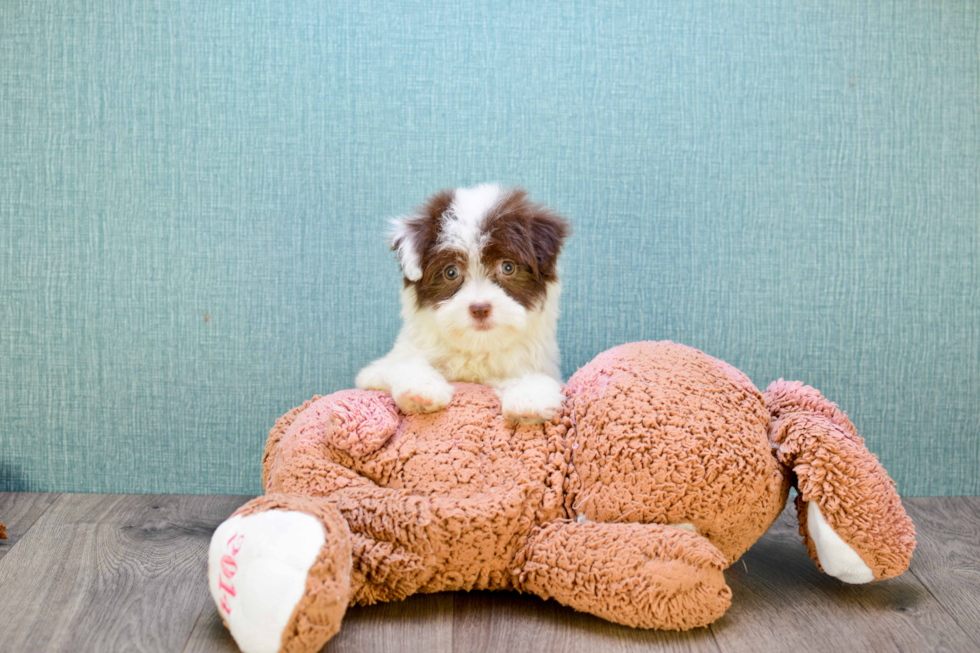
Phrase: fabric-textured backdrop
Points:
(193, 195)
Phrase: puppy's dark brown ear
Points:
(412, 236)
(549, 231)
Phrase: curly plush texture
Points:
(641, 575)
(583, 509)
(643, 404)
(834, 468)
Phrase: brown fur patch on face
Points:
(531, 236)
(434, 286)
(423, 230)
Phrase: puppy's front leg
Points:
(415, 385)
(530, 399)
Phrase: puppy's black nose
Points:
(480, 311)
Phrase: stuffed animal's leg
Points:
(851, 517)
(405, 543)
(279, 573)
(640, 575)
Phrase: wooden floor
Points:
(127, 573)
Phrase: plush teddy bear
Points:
(663, 466)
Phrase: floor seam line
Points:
(13, 546)
(714, 637)
(194, 627)
(943, 606)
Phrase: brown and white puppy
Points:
(479, 303)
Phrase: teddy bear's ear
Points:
(413, 235)
(549, 230)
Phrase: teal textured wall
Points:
(193, 195)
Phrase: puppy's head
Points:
(480, 262)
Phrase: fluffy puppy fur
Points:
(479, 303)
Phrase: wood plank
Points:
(110, 573)
(947, 555)
(209, 634)
(18, 512)
(420, 624)
(782, 602)
(508, 622)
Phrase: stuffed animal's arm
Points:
(357, 421)
(640, 575)
(307, 446)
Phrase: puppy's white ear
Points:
(402, 239)
(415, 234)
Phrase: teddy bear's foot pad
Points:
(836, 557)
(257, 571)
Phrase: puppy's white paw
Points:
(371, 378)
(422, 390)
(532, 399)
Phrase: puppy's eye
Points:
(451, 272)
(508, 268)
